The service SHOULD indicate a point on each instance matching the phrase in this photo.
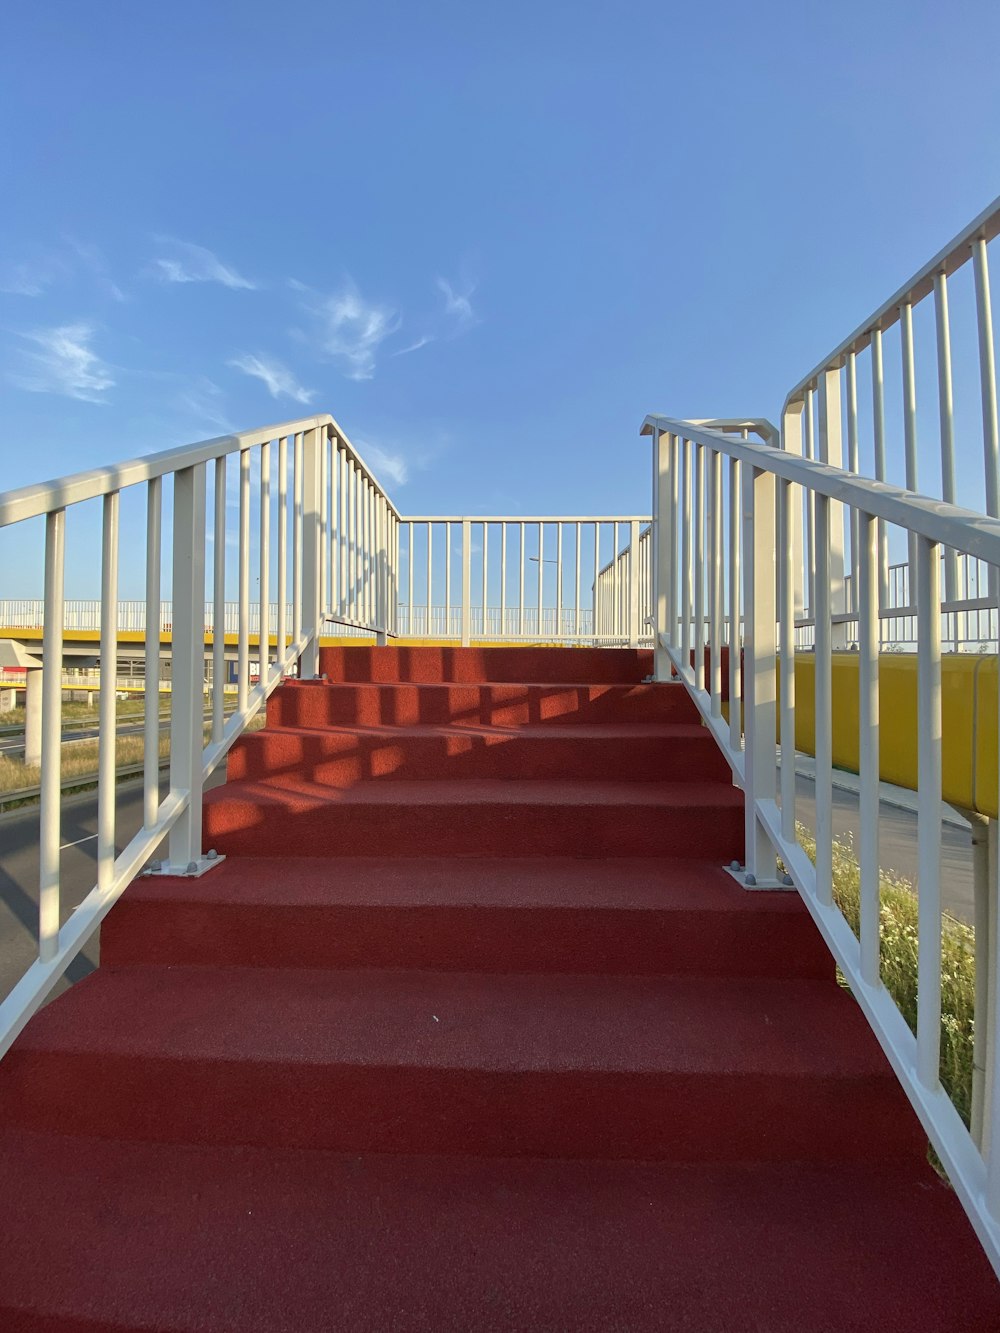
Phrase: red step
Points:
(104, 1234)
(654, 1068)
(425, 664)
(317, 704)
(345, 756)
(513, 915)
(289, 814)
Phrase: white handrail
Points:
(753, 521)
(332, 571)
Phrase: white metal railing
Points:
(727, 570)
(853, 399)
(310, 518)
(521, 579)
(83, 616)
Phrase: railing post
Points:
(663, 551)
(466, 579)
(312, 553)
(188, 671)
(760, 668)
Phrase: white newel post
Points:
(188, 669)
(312, 544)
(759, 667)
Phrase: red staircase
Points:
(470, 1031)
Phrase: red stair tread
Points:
(286, 788)
(429, 663)
(555, 914)
(402, 703)
(642, 884)
(464, 1020)
(343, 755)
(102, 1234)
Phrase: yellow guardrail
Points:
(968, 722)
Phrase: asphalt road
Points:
(898, 844)
(19, 874)
(14, 745)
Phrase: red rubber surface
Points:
(470, 1031)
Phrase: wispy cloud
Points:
(60, 360)
(33, 276)
(351, 328)
(279, 379)
(204, 403)
(387, 464)
(458, 305)
(186, 262)
(416, 346)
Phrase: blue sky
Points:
(488, 239)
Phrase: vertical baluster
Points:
(447, 581)
(988, 376)
(298, 481)
(615, 625)
(735, 648)
(576, 595)
(597, 575)
(345, 536)
(878, 427)
(868, 745)
(503, 580)
(853, 464)
(946, 417)
(699, 567)
(151, 719)
(809, 448)
(909, 413)
(715, 582)
(786, 585)
(243, 632)
(824, 705)
(325, 553)
(686, 521)
(282, 629)
(218, 603)
(633, 584)
(466, 582)
(760, 660)
(559, 580)
(928, 603)
(107, 724)
(264, 626)
(50, 812)
(541, 567)
(673, 565)
(520, 581)
(430, 580)
(410, 531)
(486, 543)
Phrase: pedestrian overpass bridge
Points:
(509, 962)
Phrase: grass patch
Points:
(898, 962)
(79, 758)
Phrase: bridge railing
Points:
(909, 396)
(293, 503)
(726, 568)
(560, 578)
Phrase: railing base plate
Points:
(192, 870)
(751, 883)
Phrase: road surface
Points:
(19, 874)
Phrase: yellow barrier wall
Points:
(968, 718)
